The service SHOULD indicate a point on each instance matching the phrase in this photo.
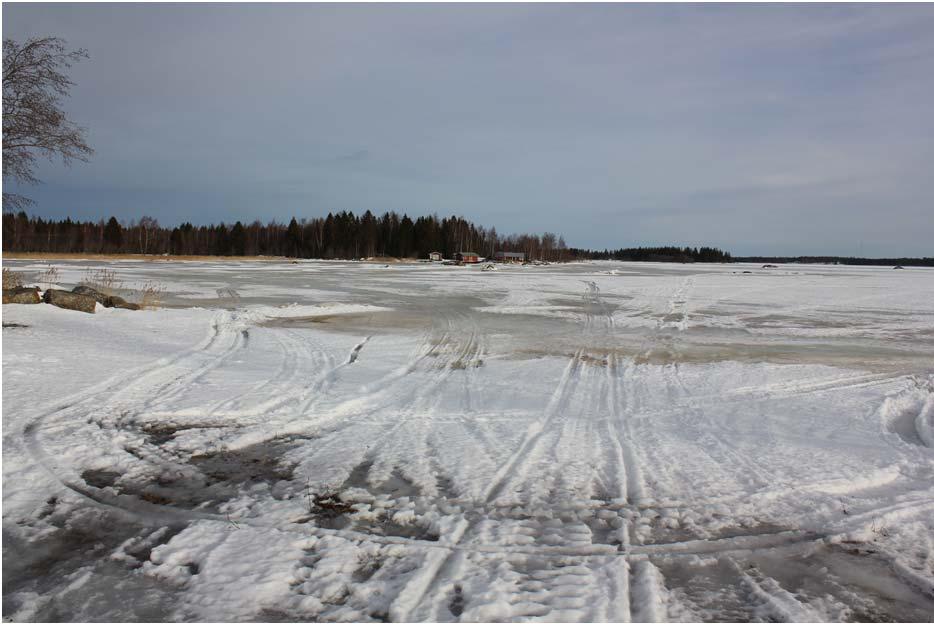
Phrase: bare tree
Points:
(147, 230)
(34, 84)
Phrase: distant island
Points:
(837, 260)
(342, 235)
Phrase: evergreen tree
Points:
(294, 238)
(238, 239)
(113, 235)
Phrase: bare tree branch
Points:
(34, 125)
(12, 201)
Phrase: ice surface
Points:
(594, 441)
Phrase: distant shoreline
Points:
(849, 261)
(38, 255)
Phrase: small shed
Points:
(510, 256)
(435, 256)
(467, 257)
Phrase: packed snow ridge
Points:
(351, 442)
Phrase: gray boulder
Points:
(108, 301)
(99, 297)
(70, 300)
(21, 295)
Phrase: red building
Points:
(467, 257)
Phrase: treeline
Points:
(658, 254)
(337, 236)
(343, 235)
(838, 260)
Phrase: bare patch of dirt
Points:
(259, 462)
(218, 476)
(158, 433)
(100, 478)
(330, 511)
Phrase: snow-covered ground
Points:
(349, 441)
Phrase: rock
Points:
(119, 302)
(108, 301)
(70, 300)
(21, 295)
(99, 297)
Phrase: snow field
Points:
(570, 443)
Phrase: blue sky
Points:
(774, 129)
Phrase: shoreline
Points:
(38, 255)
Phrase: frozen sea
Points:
(346, 441)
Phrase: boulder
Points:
(99, 297)
(70, 300)
(21, 295)
(119, 302)
(108, 301)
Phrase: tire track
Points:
(559, 399)
(404, 412)
(68, 421)
(515, 470)
(286, 375)
(118, 382)
(432, 572)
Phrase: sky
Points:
(760, 129)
